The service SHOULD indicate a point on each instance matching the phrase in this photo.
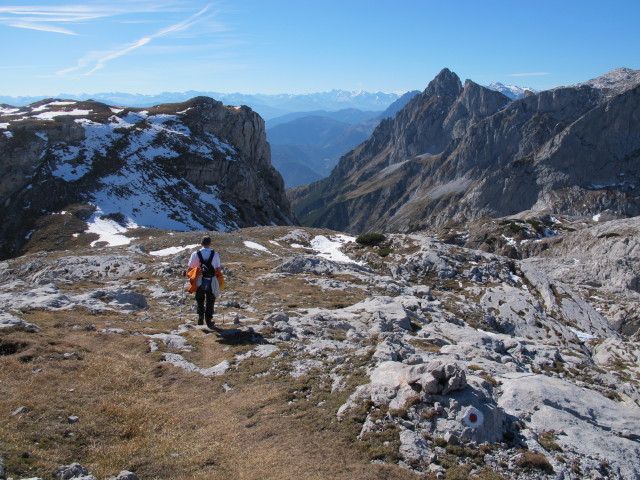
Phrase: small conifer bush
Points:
(370, 239)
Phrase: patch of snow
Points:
(330, 247)
(108, 230)
(516, 279)
(69, 172)
(8, 111)
(60, 103)
(255, 246)
(134, 117)
(223, 147)
(4, 126)
(46, 106)
(130, 193)
(172, 250)
(159, 122)
(491, 334)
(510, 241)
(52, 115)
(86, 121)
(596, 218)
(583, 336)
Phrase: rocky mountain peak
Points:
(445, 83)
(616, 81)
(514, 92)
(458, 153)
(183, 166)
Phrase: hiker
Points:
(209, 261)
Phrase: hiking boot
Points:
(210, 323)
(200, 320)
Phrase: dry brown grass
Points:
(161, 422)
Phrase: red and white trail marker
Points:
(473, 418)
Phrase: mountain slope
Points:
(188, 166)
(462, 152)
(328, 360)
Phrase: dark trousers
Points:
(205, 300)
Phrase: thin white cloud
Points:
(527, 74)
(192, 20)
(98, 60)
(113, 55)
(39, 17)
(41, 27)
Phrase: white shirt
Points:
(194, 261)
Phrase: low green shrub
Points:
(370, 239)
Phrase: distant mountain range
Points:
(268, 106)
(305, 146)
(512, 91)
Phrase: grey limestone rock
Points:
(8, 320)
(126, 475)
(412, 446)
(586, 422)
(179, 361)
(75, 471)
(318, 265)
(276, 317)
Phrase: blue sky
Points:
(287, 46)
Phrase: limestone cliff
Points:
(197, 165)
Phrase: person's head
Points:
(206, 242)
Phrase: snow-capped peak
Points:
(512, 91)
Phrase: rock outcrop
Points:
(197, 165)
(457, 153)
